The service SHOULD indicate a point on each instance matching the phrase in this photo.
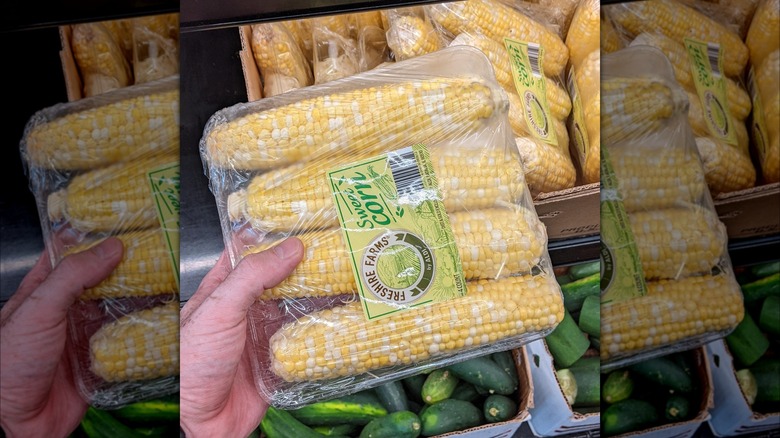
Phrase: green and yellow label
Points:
(579, 130)
(397, 231)
(528, 75)
(758, 124)
(164, 183)
(622, 277)
(706, 68)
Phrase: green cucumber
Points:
(449, 416)
(278, 423)
(338, 430)
(506, 360)
(748, 385)
(664, 372)
(566, 343)
(156, 431)
(761, 288)
(485, 373)
(627, 416)
(357, 408)
(392, 396)
(164, 409)
(583, 270)
(416, 407)
(618, 386)
(499, 408)
(439, 385)
(685, 362)
(401, 424)
(590, 316)
(765, 269)
(465, 391)
(101, 424)
(413, 385)
(574, 293)
(769, 319)
(767, 374)
(746, 343)
(588, 380)
(563, 279)
(568, 384)
(678, 408)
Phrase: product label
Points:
(526, 60)
(397, 232)
(164, 183)
(622, 277)
(706, 68)
(579, 131)
(758, 124)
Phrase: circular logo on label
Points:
(535, 114)
(607, 266)
(716, 114)
(398, 267)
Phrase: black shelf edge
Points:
(22, 16)
(754, 250)
(570, 251)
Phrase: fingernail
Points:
(286, 249)
(108, 248)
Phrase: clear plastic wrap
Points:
(97, 172)
(585, 124)
(410, 33)
(282, 64)
(335, 56)
(100, 58)
(734, 14)
(310, 337)
(583, 36)
(669, 281)
(155, 47)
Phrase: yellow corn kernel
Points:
(764, 32)
(726, 168)
(409, 36)
(277, 52)
(583, 36)
(99, 55)
(547, 168)
(634, 107)
(610, 40)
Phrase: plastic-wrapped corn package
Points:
(708, 60)
(564, 11)
(610, 39)
(100, 58)
(281, 62)
(335, 56)
(109, 166)
(763, 42)
(583, 36)
(668, 284)
(734, 14)
(411, 33)
(369, 32)
(155, 47)
(585, 125)
(538, 118)
(400, 270)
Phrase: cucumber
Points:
(336, 431)
(626, 416)
(566, 343)
(568, 384)
(618, 386)
(499, 408)
(748, 385)
(401, 424)
(483, 372)
(761, 288)
(413, 385)
(165, 409)
(590, 316)
(684, 361)
(156, 431)
(588, 380)
(357, 408)
(506, 360)
(416, 407)
(583, 270)
(563, 279)
(439, 385)
(101, 424)
(769, 319)
(278, 423)
(574, 293)
(765, 269)
(746, 343)
(678, 408)
(465, 391)
(767, 374)
(392, 396)
(449, 416)
(664, 372)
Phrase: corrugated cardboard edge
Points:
(570, 213)
(254, 86)
(751, 212)
(69, 69)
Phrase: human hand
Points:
(218, 395)
(37, 389)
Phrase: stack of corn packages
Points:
(103, 166)
(709, 60)
(422, 243)
(667, 280)
(763, 42)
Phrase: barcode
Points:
(713, 52)
(533, 58)
(405, 171)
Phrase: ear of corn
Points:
(633, 107)
(340, 341)
(766, 76)
(302, 34)
(145, 269)
(276, 52)
(99, 55)
(610, 40)
(520, 126)
(498, 21)
(335, 56)
(726, 168)
(547, 168)
(366, 120)
(672, 311)
(583, 36)
(299, 197)
(109, 199)
(409, 36)
(338, 24)
(588, 79)
(134, 127)
(155, 55)
(141, 345)
(677, 21)
(700, 127)
(764, 33)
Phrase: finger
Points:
(213, 278)
(32, 280)
(252, 276)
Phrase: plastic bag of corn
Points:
(667, 282)
(401, 271)
(108, 166)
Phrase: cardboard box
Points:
(751, 212)
(551, 414)
(732, 415)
